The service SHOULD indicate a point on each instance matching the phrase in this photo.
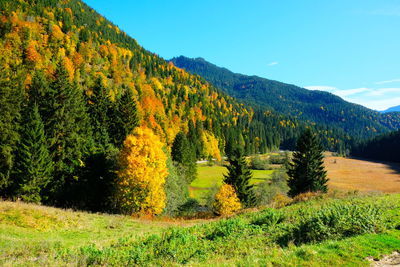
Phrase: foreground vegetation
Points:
(325, 230)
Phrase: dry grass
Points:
(361, 175)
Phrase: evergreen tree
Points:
(123, 118)
(183, 154)
(33, 165)
(98, 107)
(10, 101)
(307, 172)
(68, 131)
(239, 175)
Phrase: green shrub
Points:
(338, 221)
(227, 228)
(268, 217)
(257, 163)
(189, 208)
(277, 159)
(266, 191)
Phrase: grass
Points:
(248, 239)
(361, 175)
(30, 231)
(211, 176)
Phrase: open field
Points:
(32, 235)
(362, 175)
(211, 176)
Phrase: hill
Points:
(40, 236)
(392, 109)
(319, 107)
(73, 86)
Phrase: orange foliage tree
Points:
(142, 174)
(226, 201)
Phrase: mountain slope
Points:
(315, 106)
(392, 109)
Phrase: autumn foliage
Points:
(140, 182)
(226, 201)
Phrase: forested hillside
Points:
(73, 86)
(384, 147)
(316, 106)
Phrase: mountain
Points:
(392, 109)
(318, 107)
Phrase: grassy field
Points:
(211, 176)
(355, 174)
(33, 235)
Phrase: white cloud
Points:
(388, 81)
(374, 98)
(273, 63)
(383, 91)
(350, 92)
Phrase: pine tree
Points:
(307, 172)
(183, 154)
(33, 165)
(239, 175)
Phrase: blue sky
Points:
(347, 47)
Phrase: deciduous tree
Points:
(142, 174)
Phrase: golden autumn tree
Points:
(226, 201)
(142, 174)
(210, 146)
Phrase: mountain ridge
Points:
(307, 105)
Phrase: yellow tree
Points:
(142, 174)
(210, 146)
(226, 201)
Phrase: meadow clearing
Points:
(345, 174)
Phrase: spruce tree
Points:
(123, 118)
(98, 107)
(33, 165)
(183, 154)
(239, 175)
(68, 131)
(10, 102)
(307, 172)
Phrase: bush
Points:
(306, 196)
(338, 221)
(277, 159)
(189, 208)
(257, 163)
(266, 191)
(268, 217)
(227, 228)
(226, 201)
(280, 201)
(176, 189)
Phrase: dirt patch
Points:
(362, 175)
(388, 260)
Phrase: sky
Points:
(348, 47)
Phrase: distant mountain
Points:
(319, 107)
(392, 109)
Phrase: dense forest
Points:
(306, 105)
(384, 147)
